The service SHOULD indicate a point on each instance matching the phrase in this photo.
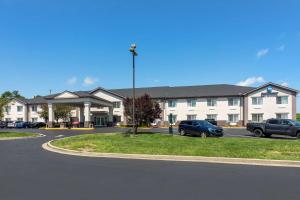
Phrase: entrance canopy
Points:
(83, 100)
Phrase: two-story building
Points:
(227, 104)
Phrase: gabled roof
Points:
(220, 90)
(105, 90)
(271, 84)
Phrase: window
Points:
(282, 100)
(20, 108)
(116, 118)
(233, 102)
(191, 117)
(8, 109)
(34, 119)
(34, 108)
(191, 102)
(117, 104)
(257, 101)
(211, 102)
(282, 115)
(20, 119)
(212, 116)
(171, 103)
(273, 121)
(7, 119)
(233, 118)
(286, 122)
(173, 120)
(257, 117)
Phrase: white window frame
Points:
(281, 103)
(22, 108)
(34, 119)
(282, 114)
(191, 117)
(20, 119)
(117, 104)
(172, 103)
(257, 116)
(212, 116)
(174, 120)
(233, 101)
(212, 102)
(34, 108)
(237, 116)
(191, 102)
(7, 109)
(256, 102)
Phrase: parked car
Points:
(199, 127)
(3, 124)
(275, 126)
(21, 124)
(11, 124)
(212, 121)
(38, 125)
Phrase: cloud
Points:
(72, 80)
(285, 84)
(262, 52)
(251, 81)
(89, 81)
(281, 48)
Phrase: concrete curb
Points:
(200, 159)
(19, 138)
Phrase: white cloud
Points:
(251, 81)
(281, 48)
(72, 80)
(262, 52)
(89, 81)
(285, 84)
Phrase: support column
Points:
(50, 115)
(110, 114)
(81, 114)
(87, 114)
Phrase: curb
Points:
(198, 159)
(19, 138)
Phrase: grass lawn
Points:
(163, 144)
(15, 134)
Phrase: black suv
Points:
(200, 128)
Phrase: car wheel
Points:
(203, 135)
(298, 135)
(182, 132)
(258, 133)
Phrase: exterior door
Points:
(100, 120)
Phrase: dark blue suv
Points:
(200, 128)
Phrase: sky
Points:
(72, 45)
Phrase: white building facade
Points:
(227, 104)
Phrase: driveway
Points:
(29, 172)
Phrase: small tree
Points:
(44, 113)
(60, 112)
(5, 98)
(146, 110)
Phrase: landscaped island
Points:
(164, 144)
(4, 135)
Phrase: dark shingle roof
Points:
(186, 91)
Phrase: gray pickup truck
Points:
(275, 126)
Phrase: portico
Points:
(82, 103)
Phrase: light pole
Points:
(134, 53)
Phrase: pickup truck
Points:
(275, 126)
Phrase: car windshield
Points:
(206, 123)
(296, 123)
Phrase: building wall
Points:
(270, 108)
(14, 114)
(201, 110)
(33, 114)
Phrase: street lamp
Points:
(134, 53)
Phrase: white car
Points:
(11, 124)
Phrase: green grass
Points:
(163, 144)
(15, 134)
(298, 117)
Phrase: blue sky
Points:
(79, 45)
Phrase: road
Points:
(27, 172)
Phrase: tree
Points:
(146, 110)
(44, 113)
(62, 112)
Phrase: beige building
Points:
(227, 104)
